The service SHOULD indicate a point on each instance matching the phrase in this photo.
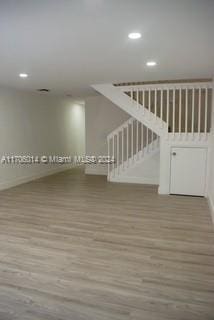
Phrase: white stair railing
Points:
(185, 107)
(128, 144)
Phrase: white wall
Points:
(35, 124)
(211, 185)
(146, 172)
(101, 117)
(76, 127)
(211, 191)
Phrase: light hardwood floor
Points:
(74, 247)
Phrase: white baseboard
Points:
(137, 180)
(20, 180)
(211, 205)
(97, 170)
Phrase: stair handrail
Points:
(109, 136)
(165, 86)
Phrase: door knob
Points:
(174, 153)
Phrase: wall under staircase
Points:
(135, 149)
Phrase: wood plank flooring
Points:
(74, 247)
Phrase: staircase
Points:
(131, 145)
(162, 116)
(132, 106)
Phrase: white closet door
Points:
(188, 171)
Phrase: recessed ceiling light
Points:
(151, 63)
(134, 35)
(23, 75)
